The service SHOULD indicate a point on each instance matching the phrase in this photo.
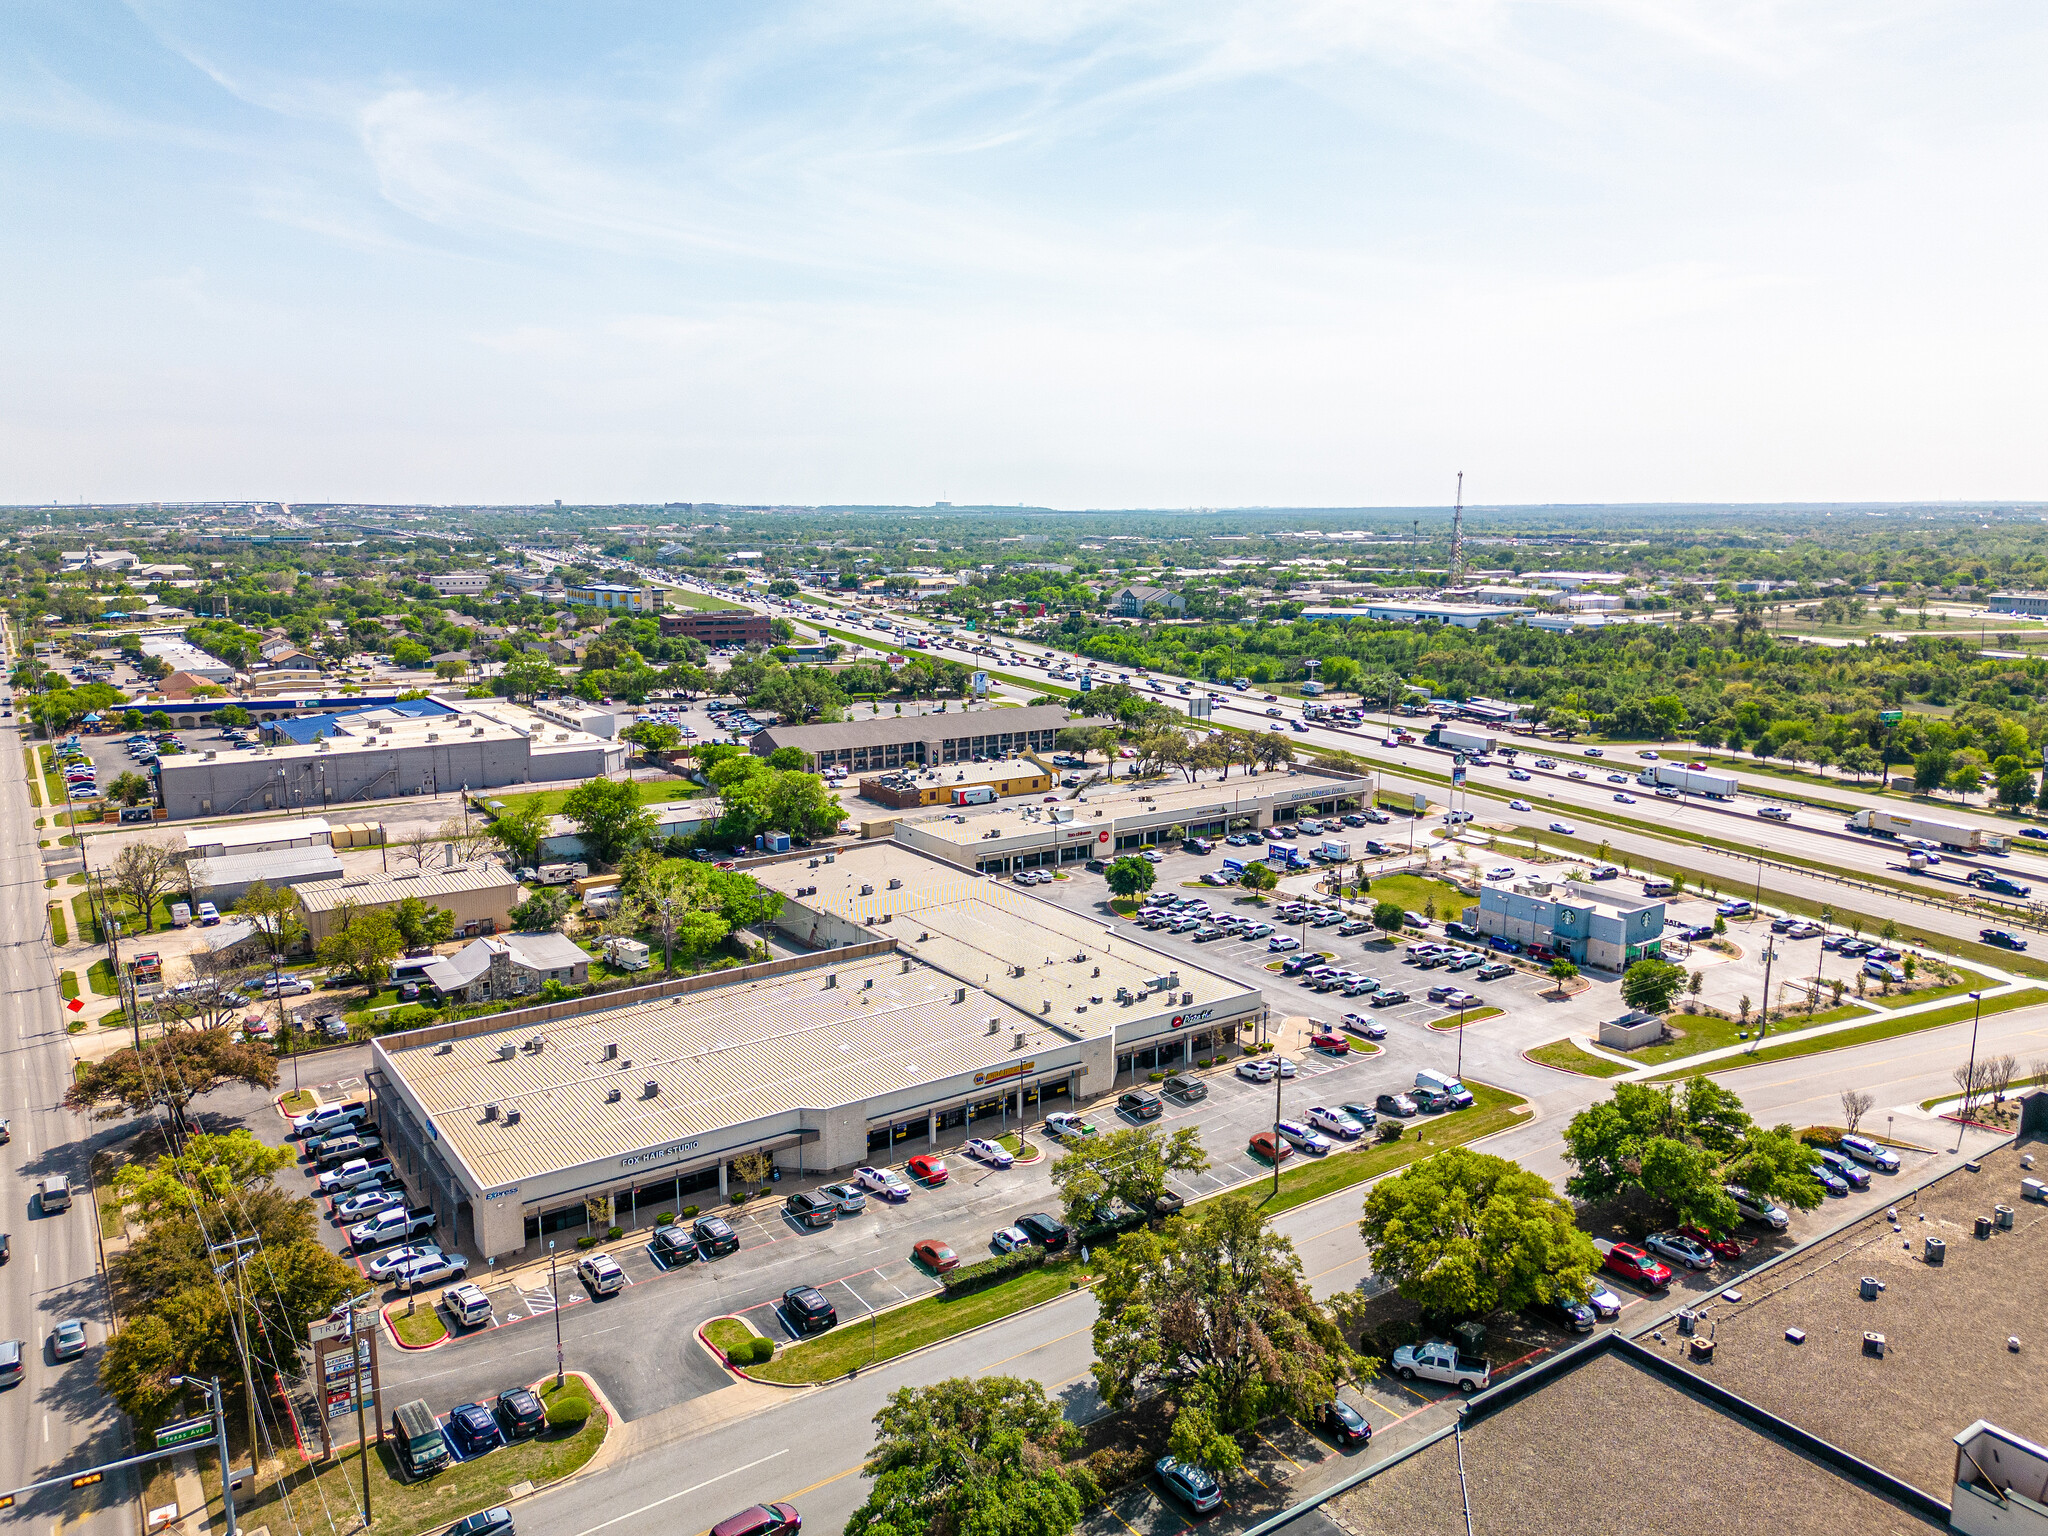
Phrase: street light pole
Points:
(556, 1296)
(1764, 1027)
(1970, 1076)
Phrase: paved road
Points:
(57, 1417)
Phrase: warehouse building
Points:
(1103, 823)
(1585, 923)
(180, 656)
(259, 837)
(224, 881)
(1058, 966)
(874, 746)
(384, 753)
(481, 896)
(510, 1124)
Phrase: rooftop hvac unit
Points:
(1018, 1041)
(867, 983)
(867, 890)
(507, 1052)
(432, 737)
(831, 858)
(611, 1096)
(895, 885)
(490, 1111)
(1125, 996)
(995, 1024)
(511, 1117)
(649, 1089)
(611, 1051)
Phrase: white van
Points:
(1443, 1083)
(209, 914)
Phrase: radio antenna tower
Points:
(1458, 534)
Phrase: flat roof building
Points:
(870, 746)
(180, 656)
(1458, 615)
(1055, 965)
(1103, 822)
(259, 837)
(717, 626)
(614, 596)
(381, 754)
(225, 880)
(909, 789)
(481, 896)
(459, 583)
(509, 1124)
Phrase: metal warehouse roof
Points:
(819, 1038)
(946, 727)
(275, 865)
(382, 889)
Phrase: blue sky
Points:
(1080, 255)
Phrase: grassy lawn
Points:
(678, 596)
(59, 933)
(656, 792)
(104, 983)
(1928, 994)
(81, 914)
(408, 1509)
(1566, 1056)
(1014, 1143)
(897, 1332)
(1472, 1016)
(728, 1334)
(1704, 1032)
(1416, 894)
(67, 984)
(1493, 1109)
(298, 1102)
(423, 1327)
(1882, 1029)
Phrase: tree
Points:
(410, 654)
(542, 910)
(468, 838)
(1387, 916)
(1211, 1312)
(608, 817)
(1678, 1147)
(527, 675)
(207, 1168)
(233, 714)
(142, 872)
(1563, 971)
(278, 914)
(420, 925)
(789, 758)
(131, 788)
(1130, 875)
(520, 827)
(1129, 1165)
(169, 1072)
(985, 1455)
(1650, 984)
(364, 941)
(1855, 1105)
(1258, 877)
(1464, 1234)
(653, 737)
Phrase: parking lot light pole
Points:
(1460, 1072)
(1970, 1076)
(1277, 1143)
(555, 1295)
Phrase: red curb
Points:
(385, 1314)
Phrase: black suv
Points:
(519, 1413)
(1140, 1104)
(809, 1210)
(807, 1309)
(675, 1245)
(715, 1235)
(1185, 1087)
(1044, 1231)
(1565, 1315)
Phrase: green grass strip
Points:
(60, 935)
(82, 914)
(104, 983)
(1567, 1056)
(1882, 1029)
(1011, 678)
(1493, 1109)
(728, 1334)
(67, 984)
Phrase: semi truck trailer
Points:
(1459, 738)
(1943, 834)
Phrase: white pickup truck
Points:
(1441, 1362)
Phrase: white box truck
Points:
(974, 794)
(1696, 781)
(1333, 850)
(1944, 834)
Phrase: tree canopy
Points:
(1464, 1233)
(1128, 1165)
(1130, 875)
(608, 817)
(1650, 984)
(169, 1072)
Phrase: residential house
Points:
(1131, 602)
(509, 965)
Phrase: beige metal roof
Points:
(380, 889)
(986, 929)
(724, 1056)
(1105, 806)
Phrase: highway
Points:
(57, 1417)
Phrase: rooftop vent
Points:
(490, 1111)
(537, 1043)
(1045, 1006)
(649, 1089)
(511, 1117)
(866, 983)
(611, 1096)
(1186, 998)
(507, 1052)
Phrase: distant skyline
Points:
(1117, 256)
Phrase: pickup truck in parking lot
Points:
(392, 1226)
(1442, 1362)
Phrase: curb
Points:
(725, 1364)
(384, 1314)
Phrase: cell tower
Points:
(1458, 534)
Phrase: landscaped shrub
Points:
(613, 1234)
(742, 1196)
(664, 1218)
(569, 1410)
(1116, 1466)
(973, 1277)
(1390, 1130)
(587, 1242)
(689, 1211)
(762, 1351)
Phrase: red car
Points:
(935, 1256)
(1632, 1263)
(762, 1520)
(1328, 1040)
(1269, 1146)
(1719, 1247)
(927, 1169)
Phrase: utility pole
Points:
(1276, 1130)
(355, 1364)
(1458, 533)
(1770, 954)
(236, 1260)
(1970, 1079)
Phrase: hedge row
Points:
(973, 1277)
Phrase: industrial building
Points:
(259, 837)
(1588, 924)
(224, 881)
(1104, 822)
(460, 583)
(718, 626)
(946, 1003)
(871, 746)
(481, 896)
(179, 656)
(907, 789)
(385, 753)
